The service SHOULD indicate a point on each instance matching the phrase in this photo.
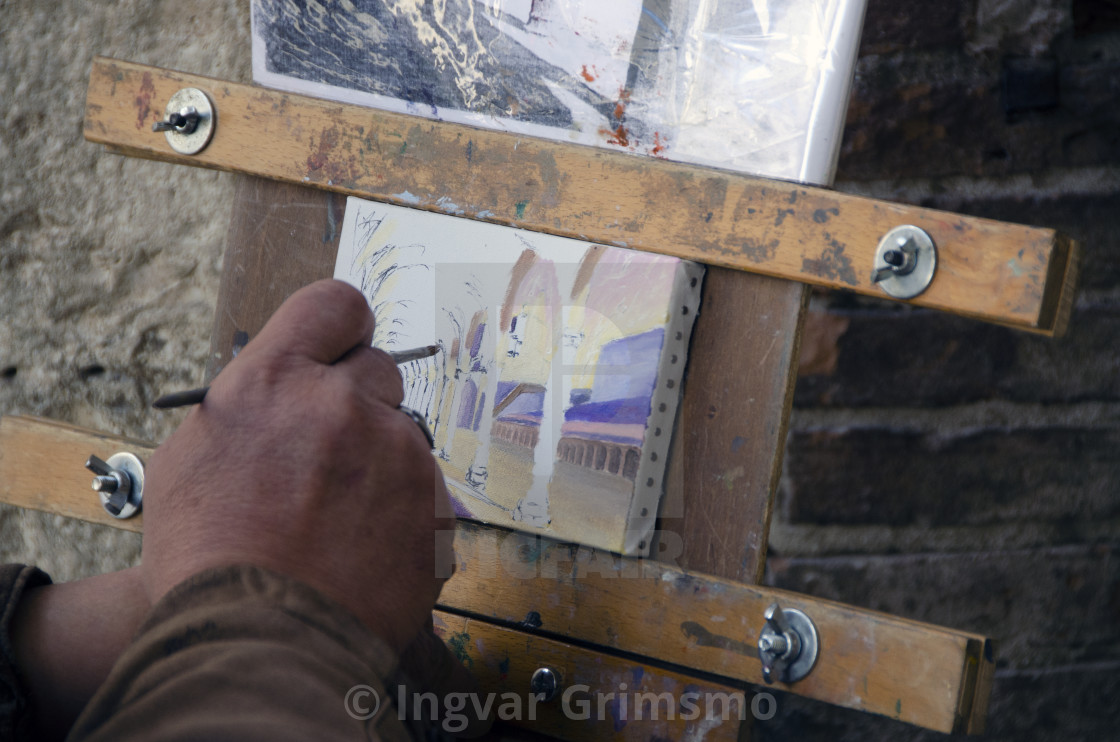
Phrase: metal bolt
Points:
(105, 483)
(184, 121)
(904, 262)
(787, 645)
(119, 483)
(544, 684)
(773, 644)
(188, 122)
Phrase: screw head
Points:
(905, 262)
(544, 684)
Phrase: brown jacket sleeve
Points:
(15, 717)
(241, 653)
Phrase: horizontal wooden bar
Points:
(870, 661)
(918, 673)
(42, 467)
(990, 270)
(599, 697)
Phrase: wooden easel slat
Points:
(1005, 273)
(918, 673)
(609, 699)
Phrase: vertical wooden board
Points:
(281, 237)
(730, 436)
(600, 698)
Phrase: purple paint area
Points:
(476, 343)
(478, 415)
(460, 509)
(466, 404)
(627, 367)
(632, 411)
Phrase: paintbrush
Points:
(195, 396)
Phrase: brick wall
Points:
(947, 470)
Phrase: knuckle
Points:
(350, 302)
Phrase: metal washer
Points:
(908, 285)
(134, 468)
(810, 645)
(196, 141)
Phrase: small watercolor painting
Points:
(554, 396)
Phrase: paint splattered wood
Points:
(723, 471)
(918, 673)
(42, 467)
(281, 237)
(599, 697)
(726, 457)
(1015, 275)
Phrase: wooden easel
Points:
(519, 602)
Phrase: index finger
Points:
(322, 322)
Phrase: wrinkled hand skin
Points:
(298, 461)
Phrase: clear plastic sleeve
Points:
(753, 85)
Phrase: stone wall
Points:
(108, 265)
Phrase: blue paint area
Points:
(627, 367)
(658, 21)
(638, 674)
(615, 710)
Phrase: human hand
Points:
(299, 461)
